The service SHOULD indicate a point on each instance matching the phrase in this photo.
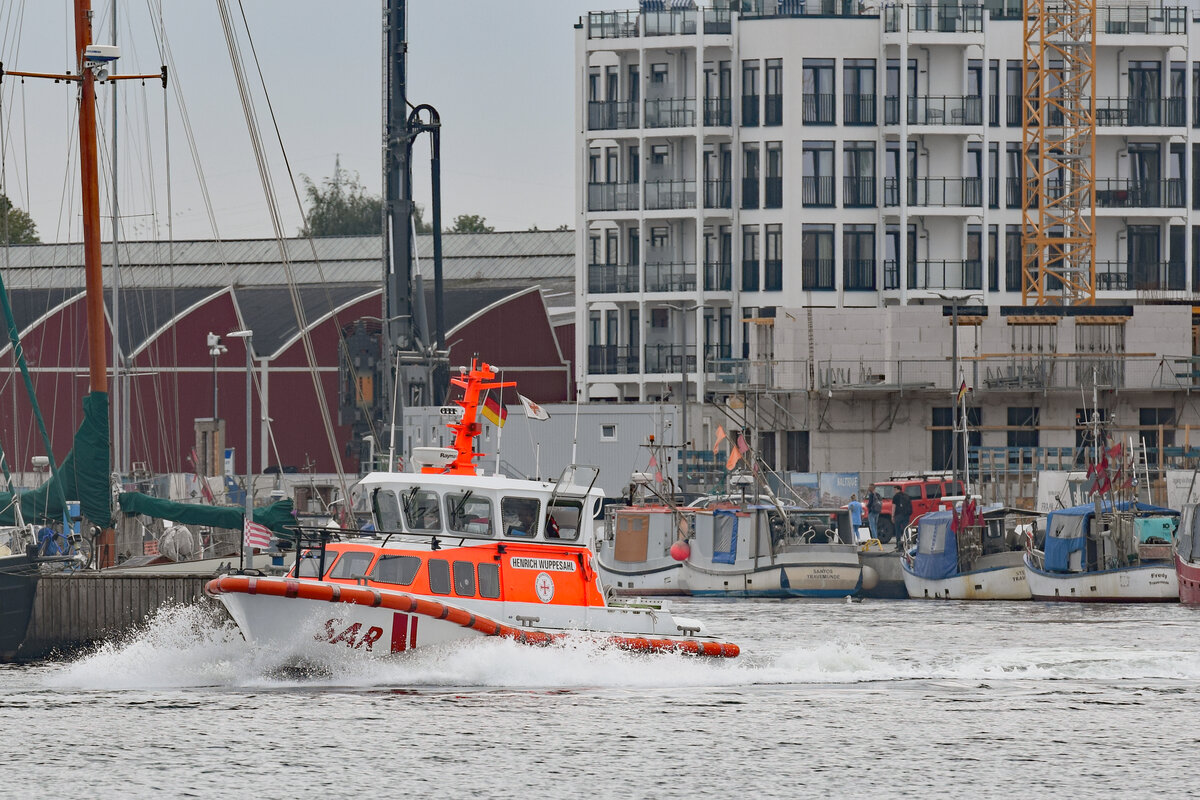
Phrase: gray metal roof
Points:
(510, 255)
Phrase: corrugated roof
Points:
(510, 255)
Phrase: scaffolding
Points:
(1058, 217)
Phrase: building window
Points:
(658, 73)
(858, 82)
(773, 195)
(773, 265)
(858, 182)
(818, 87)
(817, 251)
(1153, 422)
(1012, 257)
(944, 436)
(817, 181)
(1022, 434)
(796, 455)
(858, 257)
(773, 100)
(750, 160)
(766, 449)
(750, 258)
(608, 433)
(749, 94)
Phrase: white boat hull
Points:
(999, 583)
(817, 574)
(1147, 583)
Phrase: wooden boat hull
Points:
(1146, 583)
(290, 616)
(1188, 575)
(997, 583)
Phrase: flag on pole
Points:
(734, 458)
(742, 447)
(962, 392)
(255, 535)
(532, 409)
(495, 412)
(720, 438)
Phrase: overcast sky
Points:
(500, 74)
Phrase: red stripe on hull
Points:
(1189, 581)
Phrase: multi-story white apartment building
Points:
(771, 190)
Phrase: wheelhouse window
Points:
(563, 521)
(469, 513)
(489, 581)
(464, 578)
(351, 565)
(520, 515)
(400, 570)
(387, 509)
(439, 576)
(421, 510)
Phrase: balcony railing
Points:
(671, 277)
(1122, 275)
(670, 358)
(612, 24)
(891, 111)
(818, 109)
(858, 109)
(1013, 105)
(668, 195)
(816, 190)
(858, 274)
(750, 192)
(817, 274)
(1168, 112)
(951, 192)
(612, 197)
(945, 110)
(612, 359)
(612, 278)
(718, 194)
(718, 276)
(758, 9)
(717, 20)
(858, 192)
(610, 115)
(1140, 19)
(1129, 193)
(671, 22)
(773, 192)
(671, 112)
(933, 274)
(891, 275)
(718, 111)
(945, 18)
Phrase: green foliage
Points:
(470, 223)
(16, 226)
(340, 206)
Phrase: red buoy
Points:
(680, 551)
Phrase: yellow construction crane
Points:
(1058, 201)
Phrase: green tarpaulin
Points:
(274, 516)
(83, 475)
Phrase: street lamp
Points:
(215, 348)
(248, 335)
(683, 397)
(954, 300)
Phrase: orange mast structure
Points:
(1058, 201)
(474, 382)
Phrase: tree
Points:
(16, 226)
(470, 223)
(340, 206)
(419, 219)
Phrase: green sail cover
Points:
(274, 516)
(83, 475)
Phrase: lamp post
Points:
(248, 335)
(683, 396)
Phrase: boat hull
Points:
(821, 578)
(1188, 575)
(1145, 583)
(647, 581)
(18, 586)
(290, 616)
(889, 583)
(997, 583)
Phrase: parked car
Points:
(925, 492)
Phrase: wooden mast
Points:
(88, 168)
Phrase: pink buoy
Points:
(680, 551)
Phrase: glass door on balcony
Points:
(1144, 254)
(1145, 172)
(891, 101)
(818, 91)
(859, 179)
(774, 179)
(858, 75)
(858, 257)
(817, 180)
(749, 93)
(1145, 92)
(750, 175)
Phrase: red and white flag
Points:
(532, 409)
(255, 535)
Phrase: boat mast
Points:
(88, 168)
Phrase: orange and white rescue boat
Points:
(457, 555)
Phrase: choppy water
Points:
(871, 700)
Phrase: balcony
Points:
(612, 278)
(1142, 276)
(945, 110)
(761, 9)
(773, 109)
(858, 274)
(936, 275)
(891, 111)
(940, 18)
(717, 20)
(817, 191)
(612, 24)
(663, 277)
(1129, 193)
(670, 358)
(858, 109)
(718, 194)
(891, 275)
(817, 274)
(612, 197)
(927, 192)
(1170, 112)
(612, 115)
(817, 109)
(1140, 20)
(612, 359)
(718, 276)
(718, 112)
(749, 111)
(773, 193)
(670, 195)
(671, 112)
(858, 192)
(669, 22)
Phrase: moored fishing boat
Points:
(457, 555)
(1187, 555)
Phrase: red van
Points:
(925, 492)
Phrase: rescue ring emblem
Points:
(544, 585)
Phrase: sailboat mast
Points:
(88, 168)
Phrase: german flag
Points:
(495, 412)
